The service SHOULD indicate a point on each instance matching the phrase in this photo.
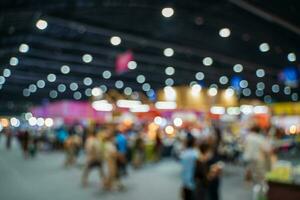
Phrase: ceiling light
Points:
(167, 12)
(264, 47)
(238, 68)
(170, 71)
(23, 48)
(196, 89)
(61, 88)
(229, 92)
(246, 92)
(140, 108)
(53, 94)
(178, 122)
(217, 110)
(40, 83)
(73, 86)
(199, 76)
(97, 92)
(77, 95)
(166, 105)
(291, 57)
(140, 78)
(119, 84)
(170, 93)
(49, 122)
(102, 105)
(106, 74)
(224, 32)
(168, 52)
(128, 103)
(51, 77)
(132, 65)
(146, 87)
(246, 109)
(14, 61)
(260, 73)
(127, 91)
(212, 91)
(115, 40)
(6, 73)
(233, 111)
(87, 58)
(223, 80)
(87, 81)
(41, 24)
(88, 92)
(244, 84)
(65, 69)
(275, 88)
(207, 61)
(169, 82)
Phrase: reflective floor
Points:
(45, 178)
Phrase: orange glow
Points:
(293, 129)
(4, 122)
(169, 130)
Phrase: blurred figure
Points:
(158, 146)
(139, 152)
(24, 139)
(188, 159)
(72, 147)
(257, 155)
(207, 174)
(121, 143)
(9, 136)
(94, 157)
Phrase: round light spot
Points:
(103, 88)
(287, 90)
(169, 81)
(15, 122)
(223, 80)
(41, 24)
(119, 84)
(32, 88)
(229, 92)
(140, 78)
(49, 122)
(26, 92)
(132, 65)
(28, 115)
(196, 89)
(6, 73)
(295, 97)
(32, 121)
(260, 73)
(106, 74)
(23, 48)
(61, 88)
(88, 92)
(2, 80)
(178, 122)
(96, 92)
(268, 99)
(127, 91)
(77, 95)
(212, 91)
(238, 68)
(224, 32)
(275, 88)
(87, 81)
(170, 71)
(199, 76)
(169, 130)
(51, 77)
(73, 86)
(53, 94)
(207, 61)
(292, 57)
(40, 121)
(14, 61)
(259, 93)
(146, 87)
(260, 86)
(246, 92)
(168, 52)
(87, 58)
(40, 83)
(167, 12)
(264, 47)
(65, 69)
(115, 40)
(244, 84)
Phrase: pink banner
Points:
(122, 61)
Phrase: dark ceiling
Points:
(85, 26)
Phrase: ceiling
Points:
(81, 27)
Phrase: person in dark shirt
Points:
(207, 174)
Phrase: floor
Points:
(45, 178)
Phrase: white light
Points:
(246, 109)
(212, 91)
(229, 92)
(26, 92)
(23, 48)
(49, 122)
(106, 74)
(96, 92)
(128, 103)
(246, 92)
(32, 121)
(146, 87)
(260, 73)
(41, 24)
(244, 84)
(140, 79)
(115, 40)
(61, 88)
(224, 32)
(217, 110)
(275, 88)
(77, 95)
(166, 105)
(207, 61)
(6, 73)
(87, 81)
(168, 52)
(238, 68)
(291, 57)
(196, 89)
(102, 105)
(169, 82)
(223, 80)
(2, 80)
(88, 92)
(51, 77)
(140, 108)
(264, 47)
(14, 61)
(170, 71)
(32, 88)
(53, 94)
(170, 93)
(158, 120)
(127, 91)
(87, 58)
(178, 122)
(40, 121)
(103, 88)
(167, 12)
(119, 84)
(15, 122)
(65, 69)
(287, 90)
(28, 115)
(260, 86)
(295, 97)
(233, 110)
(132, 65)
(40, 83)
(261, 109)
(259, 93)
(73, 86)
(199, 76)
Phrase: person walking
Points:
(188, 160)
